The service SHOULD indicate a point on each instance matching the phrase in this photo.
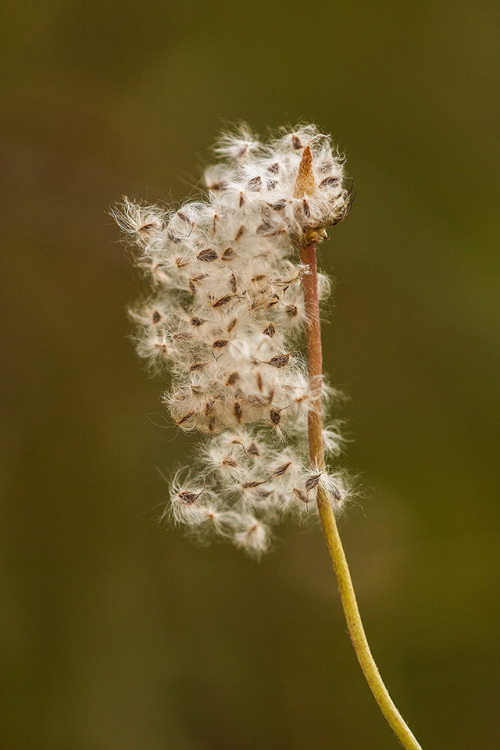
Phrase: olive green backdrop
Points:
(120, 634)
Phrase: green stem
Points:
(328, 522)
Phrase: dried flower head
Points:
(224, 318)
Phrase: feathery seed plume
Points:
(225, 316)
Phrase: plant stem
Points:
(328, 522)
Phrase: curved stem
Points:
(328, 522)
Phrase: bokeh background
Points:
(118, 633)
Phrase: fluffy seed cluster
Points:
(225, 318)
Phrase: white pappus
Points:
(224, 317)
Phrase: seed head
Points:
(223, 317)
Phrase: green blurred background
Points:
(119, 634)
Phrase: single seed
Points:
(275, 416)
(238, 411)
(228, 254)
(147, 227)
(253, 449)
(329, 182)
(188, 497)
(233, 378)
(296, 143)
(197, 321)
(223, 300)
(313, 482)
(270, 330)
(255, 184)
(185, 417)
(301, 495)
(220, 343)
(281, 360)
(208, 255)
(218, 186)
(156, 317)
(279, 205)
(282, 469)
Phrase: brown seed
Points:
(185, 417)
(242, 199)
(251, 485)
(239, 233)
(209, 406)
(301, 495)
(291, 310)
(253, 449)
(233, 378)
(197, 322)
(188, 497)
(156, 316)
(260, 383)
(329, 182)
(296, 142)
(313, 482)
(232, 283)
(255, 184)
(270, 330)
(274, 168)
(231, 325)
(279, 205)
(230, 461)
(275, 416)
(218, 186)
(184, 218)
(220, 343)
(211, 425)
(223, 300)
(147, 227)
(173, 237)
(238, 411)
(306, 209)
(208, 255)
(197, 366)
(282, 469)
(279, 361)
(228, 254)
